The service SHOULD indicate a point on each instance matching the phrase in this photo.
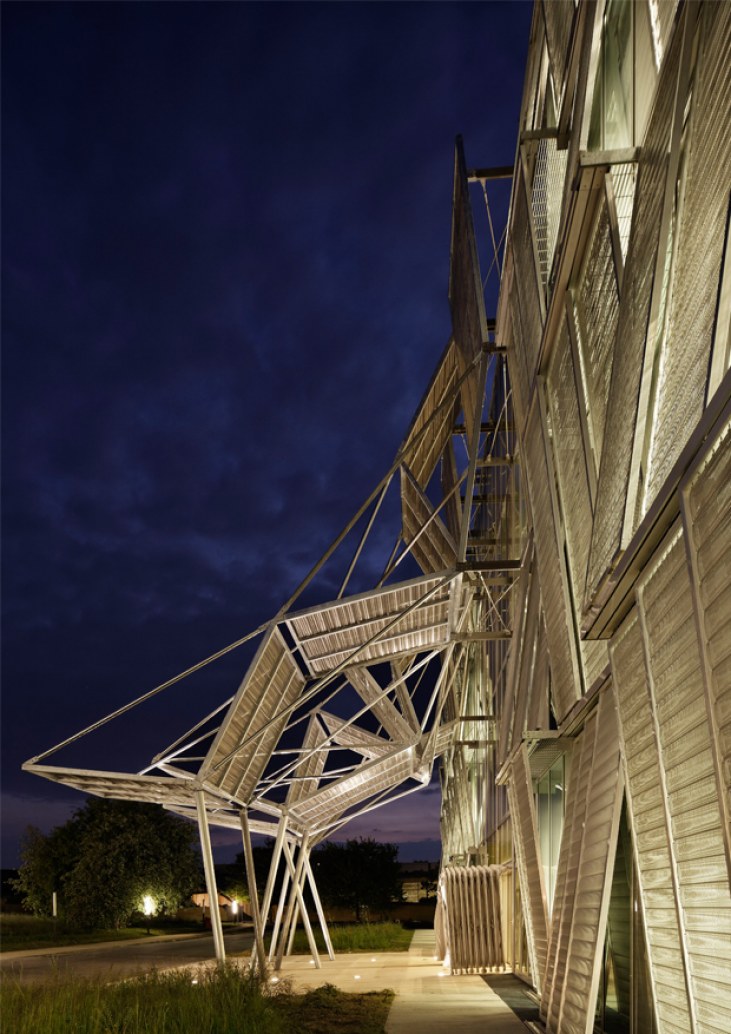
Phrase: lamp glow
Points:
(148, 905)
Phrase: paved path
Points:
(117, 959)
(428, 1000)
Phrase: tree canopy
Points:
(359, 874)
(106, 859)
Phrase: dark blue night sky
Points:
(225, 260)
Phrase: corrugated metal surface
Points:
(273, 682)
(594, 877)
(708, 516)
(623, 177)
(701, 236)
(559, 18)
(471, 896)
(381, 707)
(328, 635)
(567, 873)
(616, 456)
(525, 834)
(307, 773)
(565, 685)
(646, 807)
(526, 279)
(518, 352)
(596, 311)
(434, 548)
(677, 689)
(422, 457)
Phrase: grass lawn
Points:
(18, 932)
(219, 1002)
(356, 937)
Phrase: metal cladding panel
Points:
(525, 834)
(526, 279)
(126, 786)
(435, 410)
(328, 804)
(567, 874)
(307, 773)
(646, 806)
(559, 18)
(700, 244)
(383, 709)
(616, 456)
(708, 517)
(355, 738)
(596, 312)
(529, 680)
(466, 298)
(594, 876)
(565, 689)
(434, 548)
(329, 635)
(272, 683)
(573, 482)
(676, 683)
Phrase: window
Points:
(550, 795)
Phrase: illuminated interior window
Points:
(550, 807)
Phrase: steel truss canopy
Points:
(346, 704)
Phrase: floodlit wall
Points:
(614, 310)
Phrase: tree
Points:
(106, 859)
(359, 874)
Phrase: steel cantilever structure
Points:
(554, 622)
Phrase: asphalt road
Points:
(121, 959)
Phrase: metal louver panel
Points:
(126, 786)
(433, 546)
(662, 14)
(422, 448)
(590, 868)
(511, 332)
(707, 514)
(646, 806)
(272, 683)
(307, 773)
(676, 684)
(618, 440)
(525, 834)
(359, 740)
(372, 777)
(701, 237)
(567, 872)
(596, 312)
(329, 635)
(559, 18)
(549, 175)
(466, 298)
(381, 707)
(573, 482)
(471, 896)
(526, 280)
(565, 681)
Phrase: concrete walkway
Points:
(428, 1000)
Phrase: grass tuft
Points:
(222, 1001)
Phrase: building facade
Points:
(604, 790)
